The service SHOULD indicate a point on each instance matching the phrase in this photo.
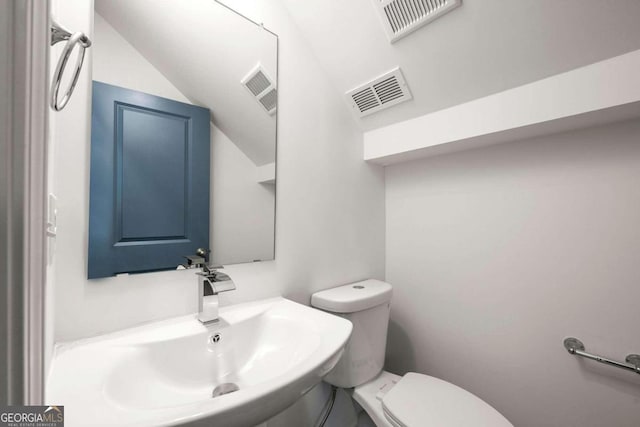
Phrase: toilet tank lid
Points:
(353, 297)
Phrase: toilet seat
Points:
(421, 400)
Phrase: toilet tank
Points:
(366, 304)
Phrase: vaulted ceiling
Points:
(205, 50)
(480, 48)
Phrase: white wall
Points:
(68, 131)
(480, 48)
(497, 254)
(318, 244)
(83, 307)
(329, 224)
(330, 218)
(118, 63)
(242, 210)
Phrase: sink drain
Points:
(225, 388)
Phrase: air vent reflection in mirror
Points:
(262, 88)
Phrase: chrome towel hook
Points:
(58, 34)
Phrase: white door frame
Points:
(23, 192)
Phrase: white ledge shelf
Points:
(266, 174)
(600, 93)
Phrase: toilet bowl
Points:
(412, 400)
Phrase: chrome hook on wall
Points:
(58, 34)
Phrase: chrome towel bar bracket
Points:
(576, 347)
(58, 34)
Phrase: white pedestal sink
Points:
(163, 374)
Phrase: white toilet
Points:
(414, 400)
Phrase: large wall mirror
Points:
(183, 135)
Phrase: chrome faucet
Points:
(210, 283)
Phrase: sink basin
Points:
(253, 363)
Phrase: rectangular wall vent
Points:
(262, 88)
(381, 93)
(401, 17)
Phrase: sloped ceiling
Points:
(483, 47)
(205, 50)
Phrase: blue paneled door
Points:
(149, 201)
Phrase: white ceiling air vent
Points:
(262, 88)
(384, 92)
(401, 17)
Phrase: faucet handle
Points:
(197, 260)
(194, 261)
